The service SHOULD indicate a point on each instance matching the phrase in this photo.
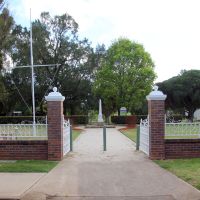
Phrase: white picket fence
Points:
(19, 131)
(187, 130)
(144, 136)
(66, 137)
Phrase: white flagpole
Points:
(32, 72)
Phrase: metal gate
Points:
(144, 136)
(66, 137)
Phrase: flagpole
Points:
(32, 72)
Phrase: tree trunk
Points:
(190, 114)
(65, 108)
(118, 111)
(72, 109)
(42, 110)
(107, 119)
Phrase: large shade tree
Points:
(183, 92)
(6, 24)
(125, 76)
(55, 41)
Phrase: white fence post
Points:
(144, 135)
(66, 136)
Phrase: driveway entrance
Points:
(89, 173)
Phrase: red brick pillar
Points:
(156, 111)
(55, 125)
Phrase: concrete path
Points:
(13, 185)
(120, 173)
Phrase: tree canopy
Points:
(121, 75)
(6, 23)
(55, 41)
(183, 92)
(125, 76)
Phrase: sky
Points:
(168, 29)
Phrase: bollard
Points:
(104, 138)
(71, 139)
(138, 137)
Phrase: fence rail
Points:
(14, 131)
(182, 129)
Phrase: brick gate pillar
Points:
(55, 124)
(156, 111)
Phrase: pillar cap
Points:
(55, 96)
(156, 94)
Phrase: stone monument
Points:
(100, 118)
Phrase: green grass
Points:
(130, 133)
(27, 166)
(186, 169)
(75, 134)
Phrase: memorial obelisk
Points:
(100, 118)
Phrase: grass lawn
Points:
(130, 133)
(27, 166)
(75, 134)
(186, 169)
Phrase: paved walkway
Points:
(13, 185)
(120, 173)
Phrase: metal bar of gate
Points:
(104, 138)
(138, 137)
(71, 139)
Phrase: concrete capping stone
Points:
(54, 96)
(156, 95)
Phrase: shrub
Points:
(139, 117)
(118, 119)
(130, 120)
(77, 119)
(21, 119)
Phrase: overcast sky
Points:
(168, 29)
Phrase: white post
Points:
(100, 118)
(32, 76)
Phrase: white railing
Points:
(186, 130)
(15, 131)
(144, 136)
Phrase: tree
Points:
(125, 76)
(55, 41)
(6, 23)
(183, 92)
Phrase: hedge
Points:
(21, 119)
(74, 119)
(131, 120)
(139, 117)
(77, 119)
